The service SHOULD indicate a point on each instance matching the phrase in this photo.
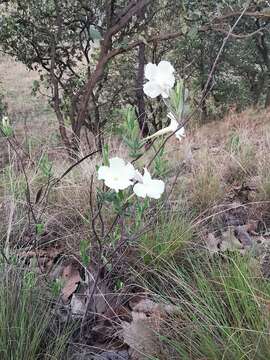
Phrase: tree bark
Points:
(139, 92)
(133, 8)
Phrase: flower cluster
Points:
(119, 176)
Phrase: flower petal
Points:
(180, 133)
(117, 163)
(165, 94)
(165, 67)
(173, 125)
(138, 176)
(150, 71)
(156, 189)
(151, 89)
(117, 184)
(146, 176)
(111, 183)
(170, 80)
(140, 190)
(129, 171)
(103, 172)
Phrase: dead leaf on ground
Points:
(141, 334)
(148, 306)
(243, 236)
(251, 227)
(43, 259)
(49, 252)
(71, 277)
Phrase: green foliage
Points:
(105, 154)
(140, 208)
(56, 287)
(169, 236)
(45, 166)
(15, 184)
(223, 306)
(178, 98)
(130, 132)
(25, 319)
(84, 252)
(160, 163)
(40, 229)
(3, 104)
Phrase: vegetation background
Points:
(187, 278)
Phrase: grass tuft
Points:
(170, 235)
(25, 319)
(223, 309)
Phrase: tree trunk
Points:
(267, 100)
(139, 92)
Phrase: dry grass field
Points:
(220, 205)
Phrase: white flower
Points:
(117, 176)
(174, 126)
(147, 186)
(161, 79)
(171, 128)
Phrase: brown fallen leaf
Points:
(142, 333)
(71, 277)
(148, 306)
(243, 236)
(43, 259)
(50, 253)
(251, 227)
(140, 336)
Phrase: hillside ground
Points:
(194, 286)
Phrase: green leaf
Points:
(193, 33)
(84, 252)
(124, 44)
(56, 287)
(40, 229)
(105, 153)
(94, 33)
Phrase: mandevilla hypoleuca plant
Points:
(119, 176)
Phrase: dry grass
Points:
(210, 160)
